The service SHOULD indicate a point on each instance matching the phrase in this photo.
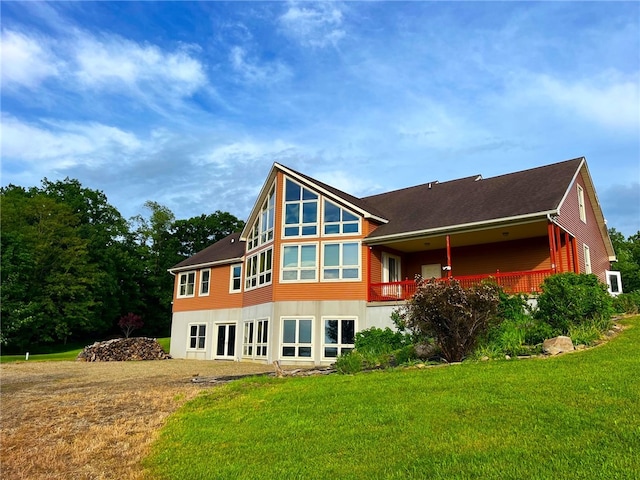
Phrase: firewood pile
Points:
(123, 349)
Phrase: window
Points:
(581, 209)
(341, 261)
(197, 335)
(339, 221)
(205, 276)
(255, 338)
(262, 230)
(296, 337)
(339, 337)
(614, 283)
(236, 278)
(299, 262)
(259, 269)
(300, 211)
(587, 259)
(186, 284)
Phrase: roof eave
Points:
(198, 266)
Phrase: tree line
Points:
(72, 265)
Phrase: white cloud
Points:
(253, 72)
(245, 151)
(61, 145)
(26, 60)
(314, 25)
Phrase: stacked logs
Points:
(123, 349)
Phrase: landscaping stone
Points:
(556, 345)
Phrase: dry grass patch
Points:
(76, 420)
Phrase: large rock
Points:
(556, 345)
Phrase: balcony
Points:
(511, 282)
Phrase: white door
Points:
(391, 272)
(226, 341)
(433, 270)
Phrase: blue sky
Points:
(189, 104)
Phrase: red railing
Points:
(511, 282)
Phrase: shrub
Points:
(512, 307)
(627, 303)
(405, 354)
(455, 317)
(572, 299)
(376, 340)
(350, 363)
(584, 334)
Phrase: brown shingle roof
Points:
(472, 200)
(229, 248)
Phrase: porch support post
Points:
(552, 247)
(448, 257)
(576, 260)
(567, 246)
(559, 248)
(369, 274)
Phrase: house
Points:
(314, 265)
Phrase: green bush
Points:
(573, 299)
(627, 303)
(405, 354)
(376, 340)
(350, 363)
(512, 307)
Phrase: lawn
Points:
(572, 416)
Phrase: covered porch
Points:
(517, 257)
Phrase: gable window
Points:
(296, 337)
(186, 284)
(262, 229)
(341, 261)
(587, 258)
(259, 269)
(581, 208)
(300, 211)
(339, 337)
(614, 283)
(197, 336)
(337, 220)
(236, 278)
(205, 276)
(299, 262)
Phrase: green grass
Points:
(61, 353)
(573, 416)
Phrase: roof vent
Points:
(233, 240)
(478, 178)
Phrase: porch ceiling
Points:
(503, 233)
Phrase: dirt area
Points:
(76, 420)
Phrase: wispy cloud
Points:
(314, 25)
(27, 60)
(253, 71)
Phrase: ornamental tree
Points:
(130, 322)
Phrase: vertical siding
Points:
(585, 233)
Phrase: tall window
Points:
(337, 220)
(259, 269)
(262, 230)
(581, 208)
(300, 211)
(299, 262)
(339, 336)
(205, 277)
(296, 337)
(236, 278)
(197, 336)
(255, 338)
(587, 258)
(341, 261)
(186, 284)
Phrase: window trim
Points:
(179, 287)
(261, 234)
(256, 344)
(299, 268)
(198, 335)
(297, 344)
(232, 278)
(581, 205)
(201, 283)
(341, 266)
(608, 275)
(587, 258)
(338, 345)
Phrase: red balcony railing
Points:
(511, 282)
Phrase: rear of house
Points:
(314, 265)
